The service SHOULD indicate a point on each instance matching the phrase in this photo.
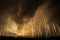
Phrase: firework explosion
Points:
(37, 26)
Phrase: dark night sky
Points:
(28, 5)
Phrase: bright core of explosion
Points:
(26, 30)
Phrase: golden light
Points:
(37, 26)
(26, 30)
